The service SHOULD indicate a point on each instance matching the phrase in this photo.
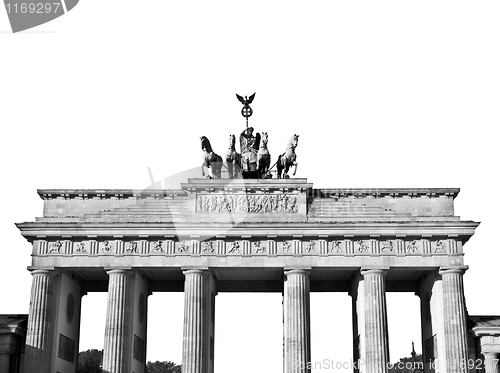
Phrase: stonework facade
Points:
(245, 235)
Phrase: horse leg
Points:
(261, 166)
(264, 166)
(218, 167)
(215, 170)
(230, 168)
(285, 175)
(295, 169)
(210, 173)
(237, 165)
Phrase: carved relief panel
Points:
(247, 203)
(249, 246)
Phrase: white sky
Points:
(383, 94)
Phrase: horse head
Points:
(205, 144)
(263, 138)
(293, 142)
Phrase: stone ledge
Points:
(223, 184)
(385, 192)
(47, 194)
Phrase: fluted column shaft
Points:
(297, 322)
(40, 324)
(376, 334)
(116, 335)
(4, 361)
(194, 348)
(491, 362)
(455, 327)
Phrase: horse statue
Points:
(233, 159)
(211, 161)
(288, 159)
(263, 157)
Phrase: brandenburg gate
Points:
(245, 235)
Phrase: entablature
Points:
(275, 220)
(461, 230)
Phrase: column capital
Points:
(195, 271)
(120, 271)
(41, 272)
(493, 354)
(381, 271)
(297, 271)
(453, 270)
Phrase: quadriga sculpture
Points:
(288, 159)
(211, 161)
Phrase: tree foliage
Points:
(162, 367)
(89, 361)
(408, 365)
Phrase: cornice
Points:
(246, 185)
(386, 192)
(47, 194)
(234, 185)
(460, 230)
(486, 330)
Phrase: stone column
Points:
(39, 339)
(491, 362)
(116, 356)
(455, 327)
(376, 335)
(194, 348)
(4, 361)
(297, 333)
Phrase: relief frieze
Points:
(362, 246)
(80, 248)
(253, 204)
(336, 247)
(247, 247)
(132, 247)
(259, 248)
(411, 247)
(234, 248)
(106, 247)
(387, 246)
(440, 247)
(158, 247)
(311, 246)
(208, 247)
(56, 247)
(183, 248)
